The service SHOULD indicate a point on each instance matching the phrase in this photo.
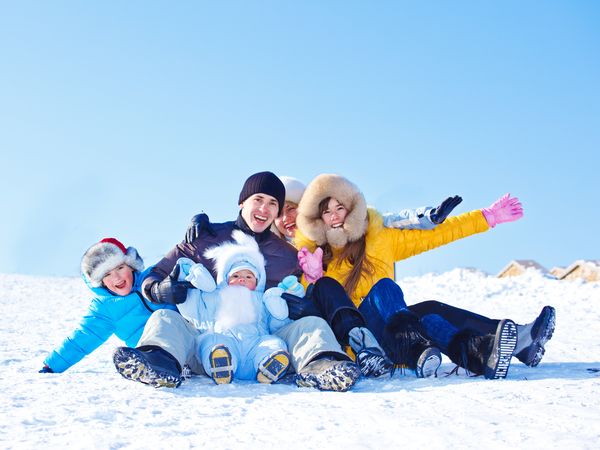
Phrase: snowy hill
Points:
(556, 405)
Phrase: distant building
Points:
(518, 267)
(588, 270)
(558, 272)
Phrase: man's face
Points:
(286, 223)
(259, 211)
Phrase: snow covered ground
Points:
(556, 405)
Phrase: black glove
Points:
(170, 290)
(301, 306)
(46, 369)
(200, 222)
(439, 214)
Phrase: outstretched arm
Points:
(95, 328)
(423, 218)
(412, 242)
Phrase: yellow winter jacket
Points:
(385, 246)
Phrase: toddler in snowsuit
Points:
(114, 274)
(235, 315)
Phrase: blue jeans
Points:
(384, 299)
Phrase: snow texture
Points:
(556, 405)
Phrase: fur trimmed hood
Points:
(309, 221)
(243, 253)
(104, 256)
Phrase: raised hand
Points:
(311, 263)
(199, 223)
(439, 214)
(505, 209)
(201, 278)
(291, 285)
(170, 290)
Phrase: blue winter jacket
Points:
(108, 314)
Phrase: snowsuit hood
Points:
(244, 251)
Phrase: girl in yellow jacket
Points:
(349, 257)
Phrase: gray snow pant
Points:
(306, 338)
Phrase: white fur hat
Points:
(294, 189)
(242, 253)
(104, 256)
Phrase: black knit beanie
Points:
(264, 183)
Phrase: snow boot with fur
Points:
(428, 362)
(488, 355)
(407, 344)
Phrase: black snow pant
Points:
(384, 300)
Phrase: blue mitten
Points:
(276, 305)
(290, 285)
(201, 278)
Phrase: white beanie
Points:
(104, 256)
(294, 189)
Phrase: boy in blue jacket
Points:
(114, 274)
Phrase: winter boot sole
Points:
(273, 367)
(339, 377)
(373, 363)
(428, 363)
(505, 342)
(221, 369)
(533, 354)
(132, 365)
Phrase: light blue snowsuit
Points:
(234, 316)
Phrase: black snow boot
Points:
(428, 360)
(407, 344)
(328, 375)
(488, 355)
(533, 337)
(149, 365)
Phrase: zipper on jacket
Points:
(144, 301)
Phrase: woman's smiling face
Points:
(334, 214)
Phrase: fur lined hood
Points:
(243, 253)
(309, 221)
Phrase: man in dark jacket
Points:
(169, 341)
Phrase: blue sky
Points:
(125, 119)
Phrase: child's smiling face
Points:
(119, 280)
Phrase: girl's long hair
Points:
(355, 252)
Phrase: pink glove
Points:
(311, 263)
(505, 209)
